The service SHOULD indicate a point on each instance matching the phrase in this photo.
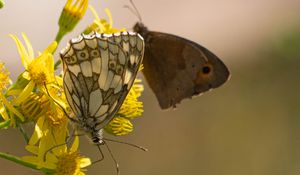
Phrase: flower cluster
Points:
(37, 96)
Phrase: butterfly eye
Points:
(83, 55)
(95, 140)
(95, 53)
(112, 64)
(119, 69)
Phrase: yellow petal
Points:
(30, 159)
(68, 4)
(50, 65)
(49, 143)
(84, 162)
(83, 7)
(60, 133)
(13, 92)
(51, 158)
(3, 112)
(32, 149)
(24, 94)
(59, 80)
(22, 51)
(108, 13)
(46, 143)
(51, 48)
(101, 26)
(75, 144)
(38, 133)
(48, 165)
(29, 47)
(11, 108)
(50, 62)
(26, 75)
(94, 13)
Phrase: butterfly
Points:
(176, 68)
(99, 70)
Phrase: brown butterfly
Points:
(176, 68)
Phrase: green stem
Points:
(23, 163)
(60, 34)
(24, 134)
(4, 124)
(57, 63)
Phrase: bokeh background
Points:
(249, 126)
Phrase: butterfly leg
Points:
(101, 153)
(112, 156)
(110, 152)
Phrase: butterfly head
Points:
(140, 28)
(96, 136)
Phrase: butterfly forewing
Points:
(99, 70)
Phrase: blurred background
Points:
(249, 126)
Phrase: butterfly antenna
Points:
(112, 156)
(131, 10)
(102, 156)
(126, 143)
(56, 102)
(134, 10)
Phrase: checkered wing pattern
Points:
(99, 71)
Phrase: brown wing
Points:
(176, 68)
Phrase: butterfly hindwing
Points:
(176, 68)
(98, 73)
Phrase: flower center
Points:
(68, 164)
(37, 74)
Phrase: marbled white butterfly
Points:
(99, 70)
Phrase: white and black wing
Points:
(99, 71)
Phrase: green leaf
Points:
(4, 124)
(21, 83)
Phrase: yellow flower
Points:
(101, 25)
(70, 16)
(4, 82)
(34, 106)
(4, 77)
(119, 126)
(51, 120)
(5, 105)
(131, 107)
(61, 160)
(38, 71)
(51, 129)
